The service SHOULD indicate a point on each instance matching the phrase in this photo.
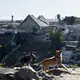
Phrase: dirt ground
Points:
(71, 74)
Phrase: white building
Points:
(31, 22)
(71, 45)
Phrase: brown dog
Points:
(55, 60)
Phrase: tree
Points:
(58, 18)
(69, 20)
(56, 41)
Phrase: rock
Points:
(45, 76)
(27, 73)
(17, 77)
(24, 73)
(17, 68)
(7, 74)
(36, 67)
(8, 77)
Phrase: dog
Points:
(52, 61)
(28, 59)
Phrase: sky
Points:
(49, 8)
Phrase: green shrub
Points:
(2, 64)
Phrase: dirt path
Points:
(73, 75)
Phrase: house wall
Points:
(28, 24)
(49, 29)
(66, 55)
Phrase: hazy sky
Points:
(49, 8)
